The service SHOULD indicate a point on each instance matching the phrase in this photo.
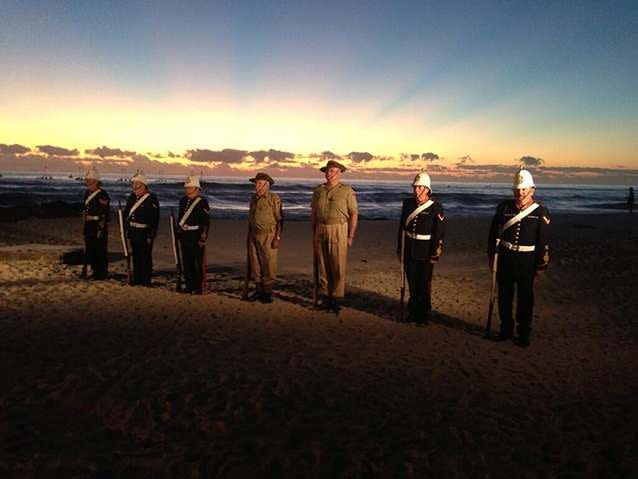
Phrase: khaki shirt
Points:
(265, 212)
(334, 206)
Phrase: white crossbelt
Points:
(518, 217)
(138, 203)
(417, 236)
(418, 210)
(182, 222)
(91, 196)
(518, 247)
(138, 225)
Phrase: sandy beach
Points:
(100, 379)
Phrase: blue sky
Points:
(494, 80)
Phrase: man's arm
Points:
(352, 227)
(542, 241)
(438, 232)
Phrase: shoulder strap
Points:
(91, 196)
(137, 204)
(190, 209)
(418, 210)
(518, 217)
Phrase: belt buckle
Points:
(517, 247)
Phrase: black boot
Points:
(255, 295)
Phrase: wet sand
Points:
(100, 379)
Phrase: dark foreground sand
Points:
(105, 380)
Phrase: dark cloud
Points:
(172, 155)
(104, 151)
(429, 156)
(531, 161)
(57, 150)
(464, 159)
(358, 157)
(209, 156)
(410, 156)
(272, 155)
(329, 155)
(13, 149)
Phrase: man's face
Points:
(90, 183)
(420, 191)
(523, 195)
(138, 187)
(333, 174)
(261, 187)
(191, 191)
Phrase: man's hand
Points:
(274, 244)
(201, 243)
(350, 240)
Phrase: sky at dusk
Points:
(462, 89)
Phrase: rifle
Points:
(127, 256)
(402, 307)
(178, 262)
(488, 326)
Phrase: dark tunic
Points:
(515, 268)
(420, 254)
(141, 229)
(96, 219)
(195, 229)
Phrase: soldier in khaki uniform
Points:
(334, 223)
(265, 222)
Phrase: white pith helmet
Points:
(139, 177)
(523, 179)
(422, 179)
(192, 182)
(92, 174)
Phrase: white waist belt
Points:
(91, 218)
(190, 228)
(417, 237)
(518, 247)
(138, 225)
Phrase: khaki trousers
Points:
(263, 259)
(331, 250)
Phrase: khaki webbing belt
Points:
(91, 218)
(330, 223)
(190, 228)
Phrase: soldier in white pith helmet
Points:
(520, 235)
(193, 221)
(420, 240)
(96, 220)
(142, 220)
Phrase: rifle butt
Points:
(488, 325)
